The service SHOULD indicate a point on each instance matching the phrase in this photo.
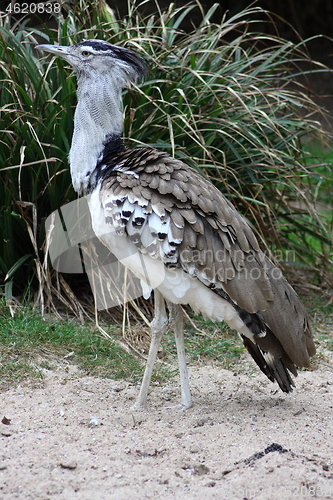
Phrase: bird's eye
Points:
(85, 53)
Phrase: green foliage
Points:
(29, 342)
(209, 341)
(36, 125)
(219, 97)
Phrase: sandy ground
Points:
(76, 437)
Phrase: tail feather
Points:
(258, 357)
(281, 338)
(274, 367)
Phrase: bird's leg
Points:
(158, 327)
(176, 319)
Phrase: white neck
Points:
(98, 115)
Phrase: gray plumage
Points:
(180, 225)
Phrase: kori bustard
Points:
(156, 214)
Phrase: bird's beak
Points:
(58, 50)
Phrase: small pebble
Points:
(164, 480)
(93, 421)
(68, 464)
(6, 433)
(210, 484)
(200, 422)
(201, 469)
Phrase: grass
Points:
(322, 159)
(319, 159)
(218, 97)
(206, 341)
(30, 343)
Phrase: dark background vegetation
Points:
(308, 18)
(292, 19)
(21, 222)
(289, 19)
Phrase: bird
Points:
(175, 230)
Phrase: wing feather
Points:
(178, 216)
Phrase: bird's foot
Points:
(180, 407)
(138, 406)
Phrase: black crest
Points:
(121, 53)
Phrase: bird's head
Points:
(102, 71)
(95, 58)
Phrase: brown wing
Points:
(171, 212)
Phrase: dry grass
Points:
(218, 97)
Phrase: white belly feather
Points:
(174, 284)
